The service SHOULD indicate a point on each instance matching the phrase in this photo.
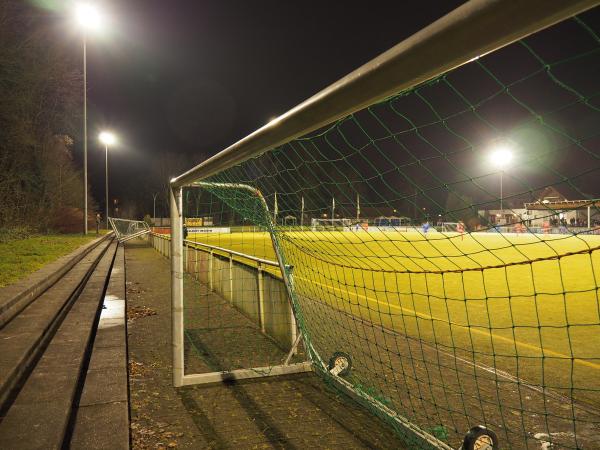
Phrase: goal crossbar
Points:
(472, 30)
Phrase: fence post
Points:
(261, 298)
(210, 271)
(231, 278)
(186, 255)
(293, 325)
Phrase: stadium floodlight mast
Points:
(501, 157)
(154, 207)
(107, 138)
(89, 19)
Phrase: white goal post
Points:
(126, 229)
(474, 29)
(449, 227)
(317, 224)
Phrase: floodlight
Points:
(88, 16)
(107, 138)
(501, 156)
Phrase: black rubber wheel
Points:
(480, 438)
(341, 359)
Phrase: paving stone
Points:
(296, 411)
(96, 421)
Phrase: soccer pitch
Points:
(525, 304)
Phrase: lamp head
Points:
(501, 156)
(88, 16)
(107, 138)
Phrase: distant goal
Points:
(331, 224)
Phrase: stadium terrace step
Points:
(23, 339)
(102, 415)
(36, 411)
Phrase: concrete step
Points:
(41, 413)
(102, 415)
(23, 339)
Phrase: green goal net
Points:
(440, 251)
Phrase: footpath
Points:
(291, 412)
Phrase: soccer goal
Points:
(126, 229)
(317, 224)
(450, 227)
(485, 341)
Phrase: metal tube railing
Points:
(267, 262)
(471, 30)
(213, 248)
(260, 271)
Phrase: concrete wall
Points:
(259, 295)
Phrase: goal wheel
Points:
(340, 364)
(480, 438)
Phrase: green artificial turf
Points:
(526, 304)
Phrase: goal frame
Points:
(472, 30)
(140, 226)
(344, 223)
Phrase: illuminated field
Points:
(521, 303)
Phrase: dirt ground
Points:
(296, 411)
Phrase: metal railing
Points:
(216, 275)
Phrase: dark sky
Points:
(180, 80)
(195, 76)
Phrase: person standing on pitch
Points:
(426, 227)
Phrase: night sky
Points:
(192, 77)
(178, 80)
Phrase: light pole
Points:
(107, 138)
(88, 18)
(501, 157)
(154, 208)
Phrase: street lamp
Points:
(88, 18)
(501, 157)
(154, 207)
(107, 138)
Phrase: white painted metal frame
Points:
(123, 237)
(474, 29)
(177, 267)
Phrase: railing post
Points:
(231, 278)
(261, 298)
(185, 257)
(210, 271)
(293, 325)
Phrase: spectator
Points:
(98, 219)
